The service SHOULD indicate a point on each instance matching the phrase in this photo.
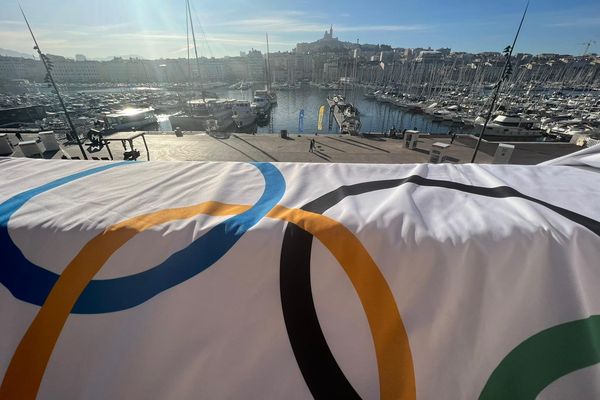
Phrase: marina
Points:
(217, 207)
(558, 116)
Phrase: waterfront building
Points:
(429, 56)
(21, 68)
(325, 60)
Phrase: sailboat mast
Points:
(268, 65)
(504, 75)
(187, 38)
(195, 47)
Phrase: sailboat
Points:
(264, 99)
(346, 115)
(344, 112)
(205, 114)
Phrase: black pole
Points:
(499, 84)
(62, 103)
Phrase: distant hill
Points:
(13, 53)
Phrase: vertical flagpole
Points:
(51, 79)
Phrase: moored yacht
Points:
(371, 95)
(202, 110)
(261, 103)
(130, 118)
(243, 114)
(509, 126)
(270, 95)
(566, 132)
(241, 86)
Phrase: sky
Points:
(157, 28)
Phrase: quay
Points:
(373, 149)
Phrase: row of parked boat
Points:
(113, 111)
(553, 116)
(331, 86)
(221, 115)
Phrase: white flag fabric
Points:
(188, 280)
(588, 157)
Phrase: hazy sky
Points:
(156, 28)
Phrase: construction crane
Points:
(587, 46)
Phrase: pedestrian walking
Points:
(311, 147)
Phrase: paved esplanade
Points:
(199, 146)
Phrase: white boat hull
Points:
(244, 119)
(199, 123)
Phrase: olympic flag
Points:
(189, 280)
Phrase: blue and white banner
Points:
(301, 121)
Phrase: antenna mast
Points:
(506, 72)
(48, 66)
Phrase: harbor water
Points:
(375, 116)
